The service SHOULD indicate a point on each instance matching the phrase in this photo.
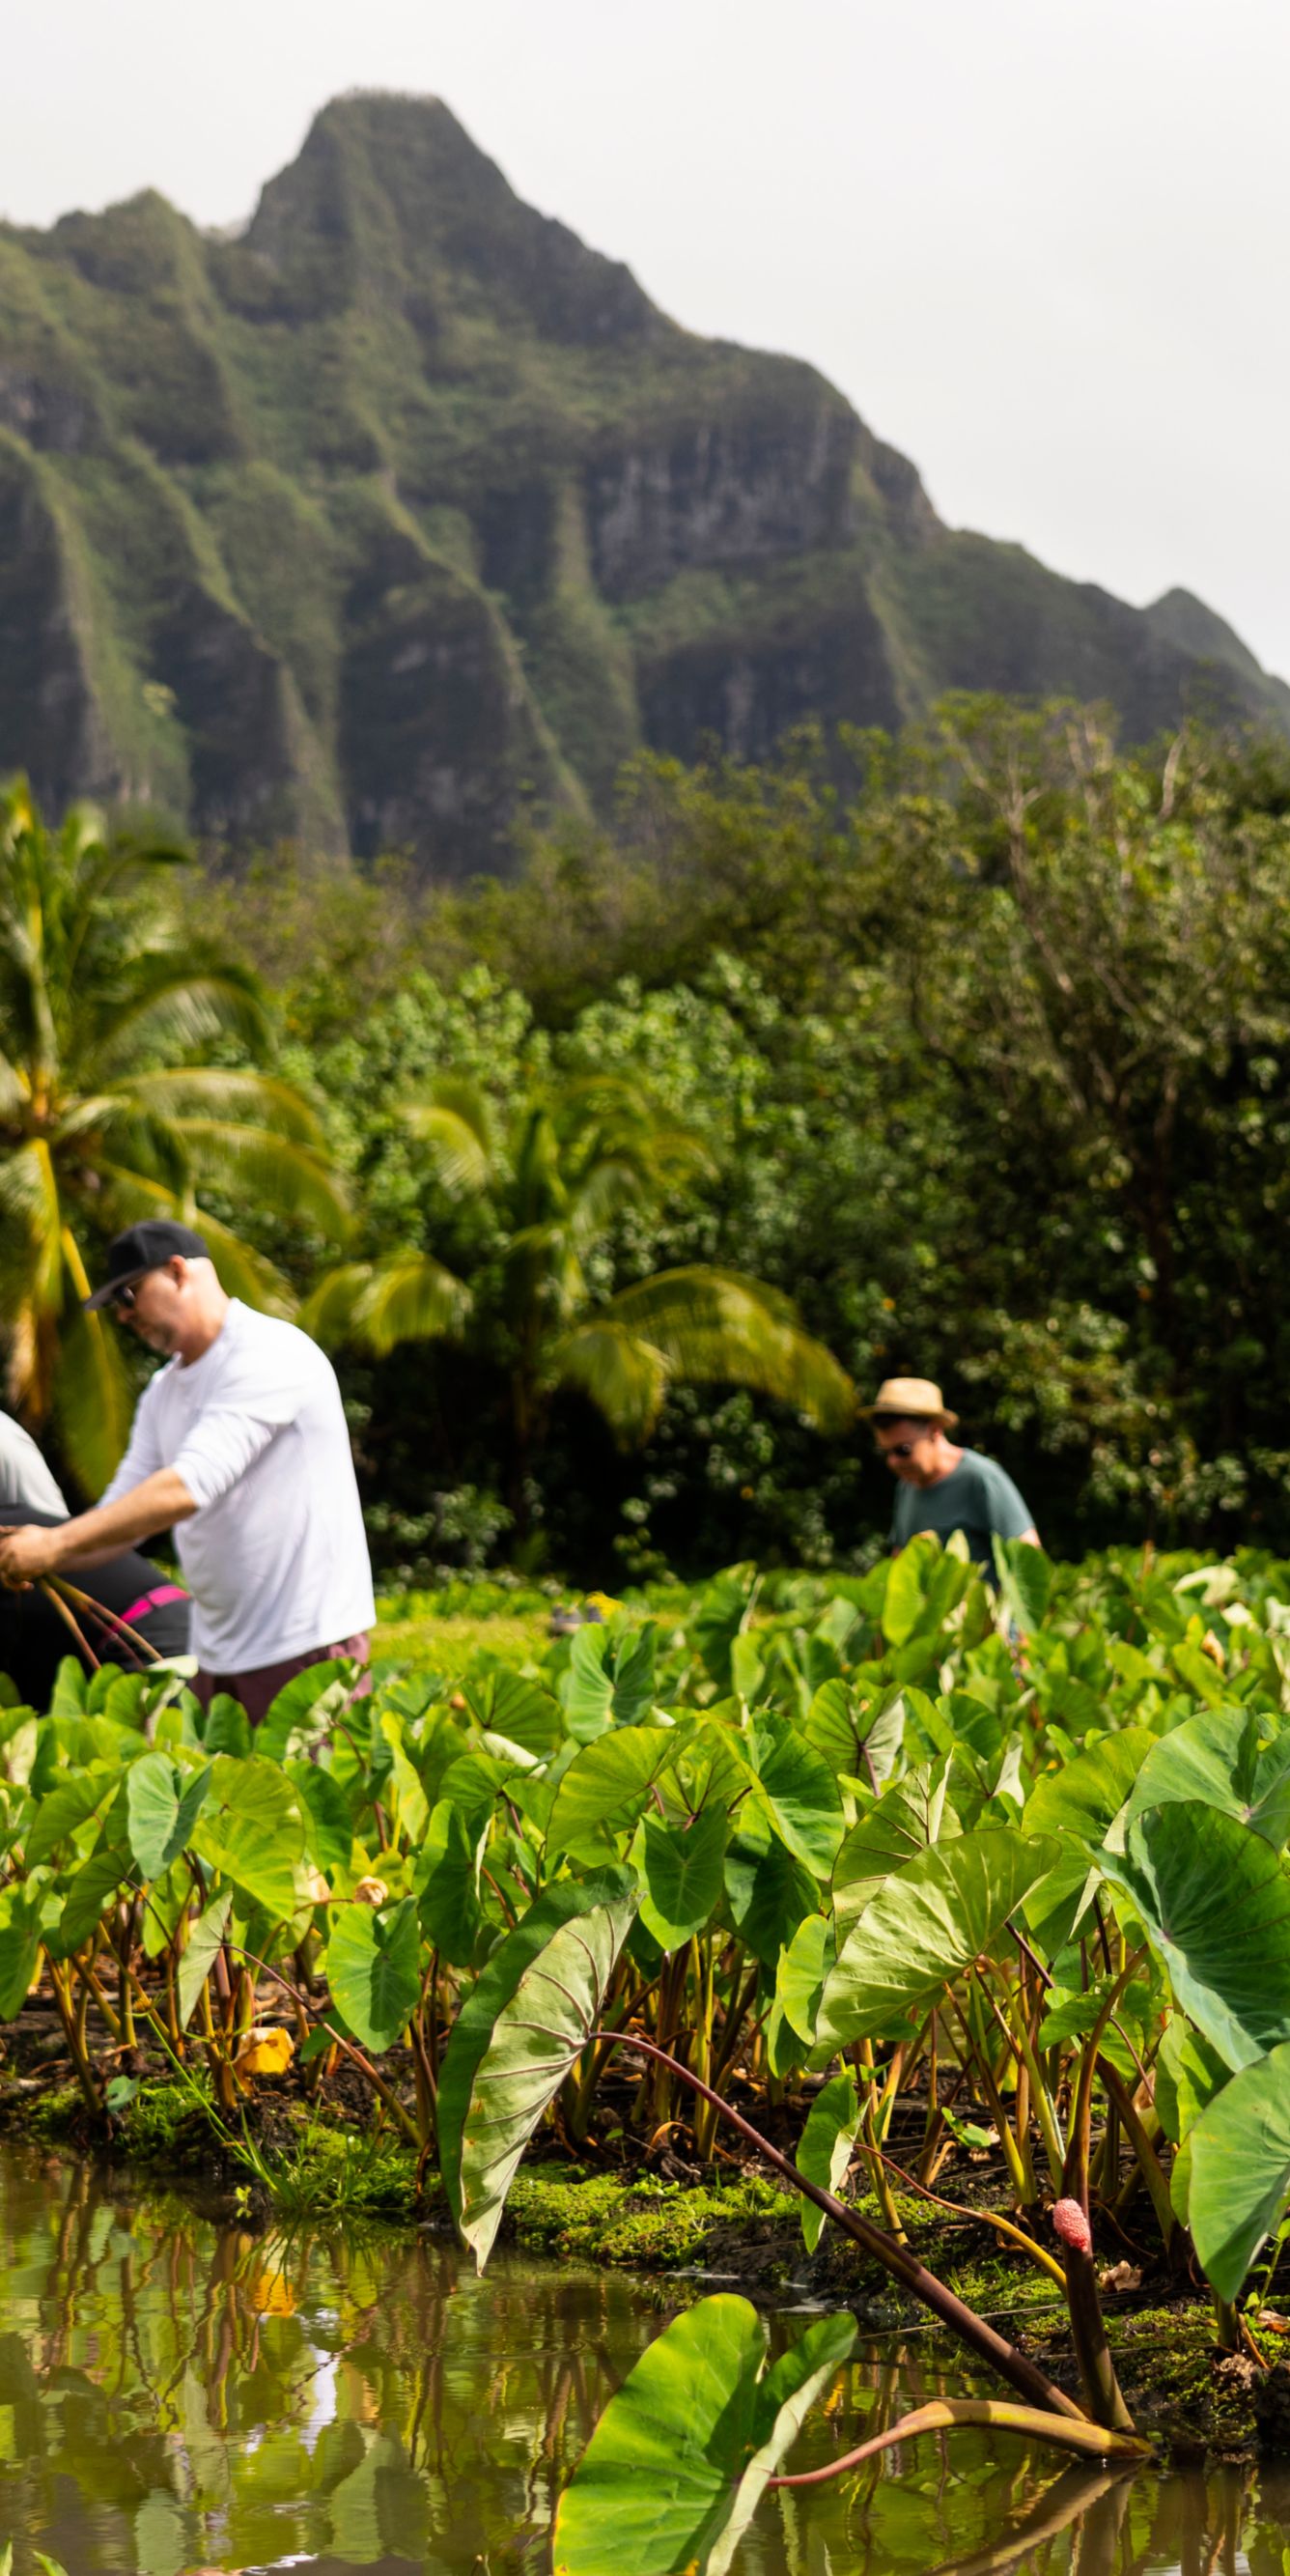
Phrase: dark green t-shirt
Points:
(977, 1498)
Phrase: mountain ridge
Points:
(402, 514)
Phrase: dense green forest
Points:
(974, 1044)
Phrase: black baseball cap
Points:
(145, 1247)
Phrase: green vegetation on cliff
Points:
(405, 515)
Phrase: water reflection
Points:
(176, 2396)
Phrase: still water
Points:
(178, 2396)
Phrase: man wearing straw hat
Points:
(240, 1446)
(942, 1487)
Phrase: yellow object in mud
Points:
(266, 2051)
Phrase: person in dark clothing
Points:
(34, 1639)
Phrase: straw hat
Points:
(914, 1398)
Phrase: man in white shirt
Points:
(240, 1446)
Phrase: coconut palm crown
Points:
(106, 997)
(576, 1161)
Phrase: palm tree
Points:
(577, 1160)
(105, 997)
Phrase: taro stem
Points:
(55, 1598)
(883, 2192)
(1091, 2440)
(61, 1984)
(1070, 2218)
(1030, 2382)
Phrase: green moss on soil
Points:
(662, 2226)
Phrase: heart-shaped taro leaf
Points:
(203, 1942)
(1083, 1798)
(20, 1938)
(446, 1880)
(604, 1790)
(927, 1923)
(681, 1867)
(1240, 2170)
(679, 2461)
(1215, 1903)
(797, 1791)
(250, 1830)
(163, 1804)
(518, 2034)
(374, 1969)
(824, 2148)
(1221, 1759)
(510, 1705)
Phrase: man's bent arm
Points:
(155, 1504)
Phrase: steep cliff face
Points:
(406, 514)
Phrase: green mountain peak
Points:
(404, 513)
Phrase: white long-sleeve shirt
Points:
(275, 1554)
(25, 1481)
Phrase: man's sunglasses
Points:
(898, 1449)
(123, 1298)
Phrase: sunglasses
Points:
(898, 1449)
(123, 1299)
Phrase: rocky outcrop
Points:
(51, 718)
(741, 490)
(405, 515)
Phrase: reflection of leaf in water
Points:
(270, 2293)
(99, 2238)
(163, 2540)
(337, 2453)
(273, 2512)
(206, 2454)
(355, 2503)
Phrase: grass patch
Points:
(449, 1644)
(331, 2173)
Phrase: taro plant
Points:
(922, 1873)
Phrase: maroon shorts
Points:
(258, 1689)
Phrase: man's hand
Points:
(95, 1537)
(27, 1552)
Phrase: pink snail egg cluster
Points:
(1072, 2226)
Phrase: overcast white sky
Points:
(1040, 243)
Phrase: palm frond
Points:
(542, 1268)
(176, 1008)
(212, 1091)
(129, 1193)
(25, 1173)
(289, 1179)
(92, 1400)
(622, 1374)
(539, 1190)
(458, 1145)
(717, 1326)
(408, 1297)
(14, 1090)
(411, 1297)
(243, 1272)
(121, 1139)
(30, 1202)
